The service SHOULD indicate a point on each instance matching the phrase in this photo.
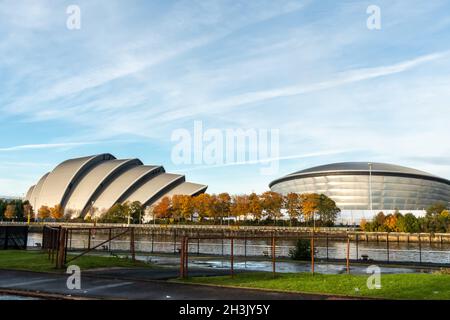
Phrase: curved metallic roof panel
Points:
(360, 168)
(94, 180)
(37, 191)
(63, 178)
(29, 193)
(152, 187)
(185, 188)
(123, 184)
(102, 181)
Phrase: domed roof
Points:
(375, 168)
(100, 181)
(364, 166)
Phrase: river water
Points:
(396, 252)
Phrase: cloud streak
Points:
(46, 146)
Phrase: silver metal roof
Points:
(360, 168)
(364, 166)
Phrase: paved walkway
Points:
(100, 284)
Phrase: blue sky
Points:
(138, 70)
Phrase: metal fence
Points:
(13, 237)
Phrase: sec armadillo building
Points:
(369, 188)
(100, 181)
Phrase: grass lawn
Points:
(38, 261)
(393, 286)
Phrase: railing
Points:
(56, 240)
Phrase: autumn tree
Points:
(309, 204)
(11, 211)
(28, 209)
(293, 206)
(223, 205)
(327, 210)
(254, 206)
(56, 212)
(272, 202)
(162, 210)
(239, 206)
(391, 223)
(187, 207)
(202, 204)
(43, 212)
(177, 204)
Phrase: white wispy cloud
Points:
(45, 146)
(348, 77)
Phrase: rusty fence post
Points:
(186, 258)
(61, 249)
(182, 262)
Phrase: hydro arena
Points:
(362, 189)
(95, 183)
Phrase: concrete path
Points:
(116, 287)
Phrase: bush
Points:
(302, 250)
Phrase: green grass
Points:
(393, 286)
(38, 261)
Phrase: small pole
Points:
(71, 236)
(133, 255)
(222, 243)
(420, 250)
(182, 262)
(153, 238)
(174, 241)
(387, 246)
(66, 241)
(109, 239)
(198, 243)
(327, 246)
(232, 257)
(245, 246)
(186, 256)
(89, 240)
(348, 255)
(357, 252)
(273, 256)
(312, 254)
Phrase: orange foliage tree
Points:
(162, 210)
(56, 212)
(254, 206)
(43, 212)
(272, 202)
